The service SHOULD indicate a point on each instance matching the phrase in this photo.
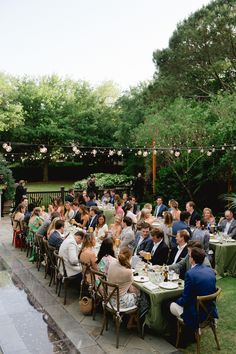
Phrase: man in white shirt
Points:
(180, 251)
(228, 224)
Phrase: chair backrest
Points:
(60, 264)
(49, 251)
(39, 240)
(111, 295)
(95, 281)
(202, 300)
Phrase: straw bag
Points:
(85, 305)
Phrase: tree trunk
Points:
(45, 170)
(230, 180)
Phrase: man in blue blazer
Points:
(199, 281)
(160, 207)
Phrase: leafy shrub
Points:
(7, 173)
(106, 180)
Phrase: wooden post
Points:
(154, 167)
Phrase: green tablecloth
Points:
(225, 257)
(155, 318)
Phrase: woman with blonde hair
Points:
(174, 209)
(208, 217)
(120, 273)
(146, 216)
(167, 227)
(51, 227)
(116, 228)
(17, 223)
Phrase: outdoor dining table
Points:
(225, 257)
(155, 318)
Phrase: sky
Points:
(92, 40)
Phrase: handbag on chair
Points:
(86, 305)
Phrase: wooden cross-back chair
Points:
(210, 321)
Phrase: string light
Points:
(177, 153)
(145, 153)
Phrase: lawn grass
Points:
(226, 325)
(48, 186)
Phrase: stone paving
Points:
(80, 333)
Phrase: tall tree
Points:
(201, 57)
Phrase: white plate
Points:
(168, 285)
(214, 241)
(141, 279)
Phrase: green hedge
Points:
(106, 180)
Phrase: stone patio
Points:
(79, 330)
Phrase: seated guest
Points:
(167, 227)
(184, 265)
(69, 214)
(80, 237)
(35, 221)
(87, 255)
(118, 208)
(133, 202)
(159, 249)
(120, 273)
(106, 255)
(199, 281)
(116, 228)
(180, 251)
(93, 213)
(91, 200)
(44, 227)
(101, 229)
(129, 213)
(69, 251)
(125, 199)
(84, 217)
(58, 206)
(208, 217)
(70, 197)
(28, 212)
(105, 197)
(160, 207)
(180, 225)
(228, 224)
(127, 234)
(201, 234)
(76, 216)
(51, 227)
(57, 237)
(174, 209)
(146, 216)
(143, 241)
(112, 196)
(194, 216)
(18, 217)
(18, 224)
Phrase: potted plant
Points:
(7, 186)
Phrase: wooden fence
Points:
(46, 198)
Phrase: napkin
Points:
(150, 286)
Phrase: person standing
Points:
(194, 216)
(20, 192)
(160, 207)
(139, 185)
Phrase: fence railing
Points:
(46, 198)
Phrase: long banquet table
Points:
(225, 257)
(155, 318)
